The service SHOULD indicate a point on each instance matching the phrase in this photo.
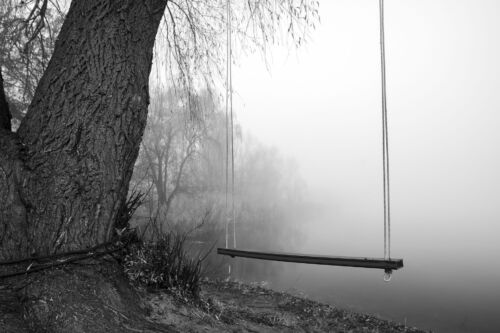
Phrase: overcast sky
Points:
(321, 105)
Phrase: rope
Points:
(232, 125)
(227, 124)
(54, 256)
(385, 140)
(39, 263)
(32, 268)
(230, 137)
(229, 133)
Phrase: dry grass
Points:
(164, 264)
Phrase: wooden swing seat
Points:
(380, 263)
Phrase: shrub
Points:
(164, 264)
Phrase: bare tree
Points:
(172, 140)
(28, 32)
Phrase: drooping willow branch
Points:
(192, 39)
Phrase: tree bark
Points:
(81, 135)
(13, 226)
(65, 174)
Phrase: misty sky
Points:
(321, 105)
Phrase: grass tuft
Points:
(164, 264)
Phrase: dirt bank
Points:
(98, 298)
(236, 307)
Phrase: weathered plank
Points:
(380, 263)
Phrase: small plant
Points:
(164, 264)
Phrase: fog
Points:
(321, 106)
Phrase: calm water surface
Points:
(444, 286)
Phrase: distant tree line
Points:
(181, 172)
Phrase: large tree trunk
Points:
(64, 175)
(82, 132)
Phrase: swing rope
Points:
(385, 141)
(229, 133)
(386, 263)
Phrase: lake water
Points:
(445, 286)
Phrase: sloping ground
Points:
(235, 307)
(98, 298)
(84, 298)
